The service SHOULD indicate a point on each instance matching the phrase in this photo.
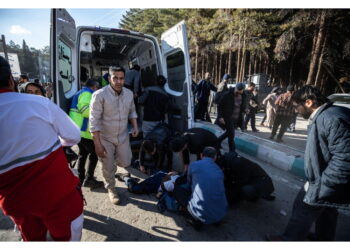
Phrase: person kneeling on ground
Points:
(203, 197)
(156, 146)
(244, 179)
(193, 141)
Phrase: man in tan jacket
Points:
(111, 108)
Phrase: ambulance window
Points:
(65, 65)
(176, 71)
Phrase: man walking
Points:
(284, 114)
(327, 168)
(202, 93)
(37, 189)
(230, 113)
(79, 113)
(111, 108)
(252, 106)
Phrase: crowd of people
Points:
(41, 194)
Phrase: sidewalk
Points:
(288, 156)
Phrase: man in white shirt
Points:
(110, 109)
(37, 189)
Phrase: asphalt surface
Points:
(137, 218)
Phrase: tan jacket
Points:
(109, 113)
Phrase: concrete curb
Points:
(287, 159)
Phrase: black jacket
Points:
(241, 171)
(327, 158)
(202, 91)
(197, 140)
(155, 101)
(227, 103)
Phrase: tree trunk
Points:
(317, 48)
(220, 66)
(320, 61)
(250, 64)
(196, 65)
(260, 63)
(243, 59)
(238, 58)
(255, 64)
(203, 65)
(290, 80)
(229, 62)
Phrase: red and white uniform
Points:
(37, 188)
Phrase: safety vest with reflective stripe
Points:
(80, 109)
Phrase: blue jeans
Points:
(304, 215)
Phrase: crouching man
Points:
(203, 197)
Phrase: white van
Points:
(97, 48)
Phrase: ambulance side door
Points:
(64, 65)
(177, 65)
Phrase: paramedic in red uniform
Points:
(38, 191)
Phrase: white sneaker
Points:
(113, 196)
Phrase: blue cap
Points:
(240, 86)
(226, 77)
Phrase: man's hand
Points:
(222, 121)
(100, 151)
(135, 132)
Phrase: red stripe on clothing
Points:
(37, 186)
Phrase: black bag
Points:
(72, 157)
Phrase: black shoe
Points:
(93, 183)
(256, 130)
(120, 177)
(271, 137)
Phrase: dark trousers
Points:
(86, 148)
(304, 215)
(202, 111)
(250, 117)
(229, 133)
(282, 120)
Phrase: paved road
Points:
(137, 218)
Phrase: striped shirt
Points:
(284, 105)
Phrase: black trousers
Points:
(250, 116)
(304, 215)
(202, 111)
(282, 121)
(86, 149)
(229, 133)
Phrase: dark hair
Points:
(209, 152)
(309, 92)
(177, 143)
(251, 84)
(24, 77)
(116, 69)
(5, 73)
(38, 85)
(148, 145)
(91, 83)
(161, 80)
(136, 67)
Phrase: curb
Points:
(289, 162)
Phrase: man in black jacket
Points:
(202, 92)
(244, 179)
(252, 106)
(155, 101)
(327, 168)
(230, 113)
(193, 141)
